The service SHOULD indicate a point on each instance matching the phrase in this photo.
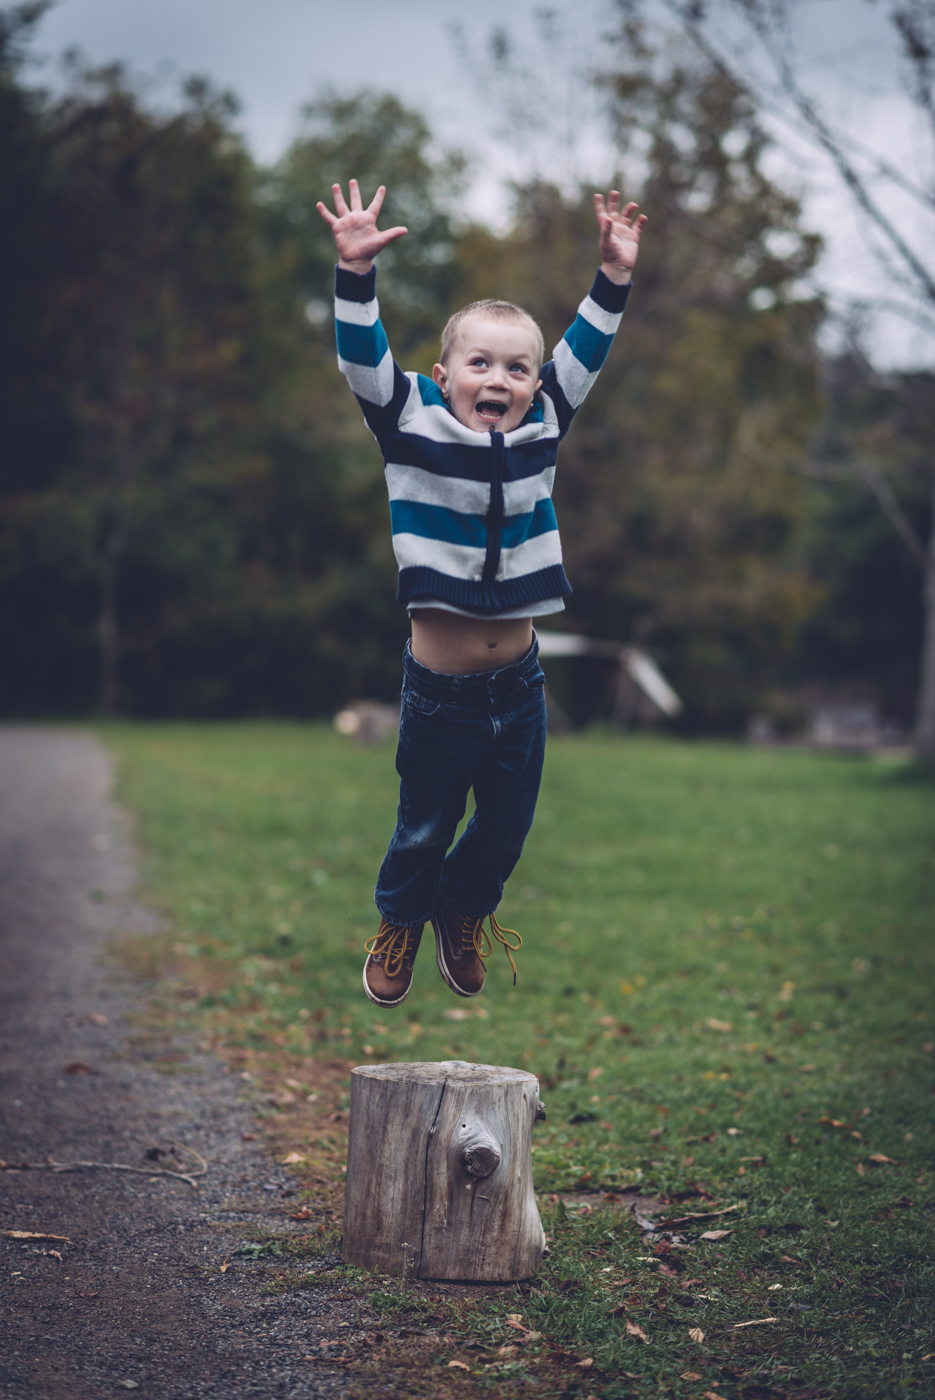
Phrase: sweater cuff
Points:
(610, 296)
(356, 286)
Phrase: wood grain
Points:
(439, 1176)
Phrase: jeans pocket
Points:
(419, 705)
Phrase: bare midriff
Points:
(462, 646)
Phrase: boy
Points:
(470, 459)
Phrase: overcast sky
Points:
(277, 54)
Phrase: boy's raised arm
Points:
(355, 229)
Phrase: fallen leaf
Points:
(878, 1159)
(833, 1122)
(224, 1266)
(292, 1158)
(860, 1168)
(807, 1069)
(690, 1376)
(635, 1330)
(34, 1235)
(458, 1366)
(507, 1351)
(55, 1254)
(696, 1335)
(756, 1322)
(79, 1067)
(668, 1271)
(656, 1132)
(248, 1137)
(715, 1234)
(714, 1025)
(596, 1072)
(755, 1161)
(733, 1132)
(712, 1395)
(97, 1019)
(456, 1015)
(588, 1361)
(303, 1214)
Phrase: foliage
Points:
(867, 627)
(193, 517)
(723, 989)
(674, 537)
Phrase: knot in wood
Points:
(540, 1112)
(480, 1159)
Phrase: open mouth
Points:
(489, 411)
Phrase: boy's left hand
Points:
(620, 231)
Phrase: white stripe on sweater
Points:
(415, 484)
(457, 560)
(357, 313)
(374, 385)
(469, 497)
(526, 558)
(574, 379)
(604, 321)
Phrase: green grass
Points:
(724, 950)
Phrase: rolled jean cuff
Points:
(401, 923)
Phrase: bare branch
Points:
(687, 14)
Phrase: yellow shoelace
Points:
(393, 947)
(474, 934)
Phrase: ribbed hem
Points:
(484, 599)
(355, 286)
(611, 296)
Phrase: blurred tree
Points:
(186, 488)
(375, 138)
(771, 72)
(674, 539)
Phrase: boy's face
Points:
(492, 374)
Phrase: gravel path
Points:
(137, 1300)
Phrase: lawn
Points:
(725, 990)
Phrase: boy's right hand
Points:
(355, 230)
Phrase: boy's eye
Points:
(518, 369)
(478, 362)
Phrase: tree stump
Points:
(439, 1173)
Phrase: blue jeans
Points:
(485, 731)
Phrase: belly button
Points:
(491, 645)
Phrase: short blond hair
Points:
(499, 311)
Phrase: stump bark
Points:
(439, 1173)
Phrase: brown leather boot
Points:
(388, 969)
(461, 945)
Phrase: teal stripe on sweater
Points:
(453, 527)
(588, 344)
(361, 345)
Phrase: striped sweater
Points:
(472, 515)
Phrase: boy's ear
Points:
(440, 375)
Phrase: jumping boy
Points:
(470, 460)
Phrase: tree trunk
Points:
(439, 1173)
(925, 719)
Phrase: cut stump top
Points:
(440, 1071)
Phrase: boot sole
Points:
(447, 977)
(378, 1001)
